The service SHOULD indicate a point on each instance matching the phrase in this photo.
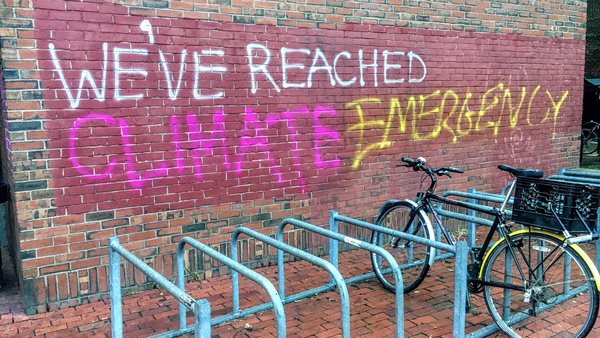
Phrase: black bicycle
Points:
(535, 278)
(589, 137)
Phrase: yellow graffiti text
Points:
(450, 113)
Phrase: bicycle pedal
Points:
(474, 286)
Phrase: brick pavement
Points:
(428, 309)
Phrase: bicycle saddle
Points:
(522, 172)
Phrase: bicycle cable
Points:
(423, 178)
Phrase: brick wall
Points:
(153, 120)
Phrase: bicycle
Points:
(589, 137)
(528, 274)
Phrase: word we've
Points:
(297, 68)
(426, 117)
(192, 143)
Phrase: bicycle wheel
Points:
(413, 258)
(589, 141)
(557, 297)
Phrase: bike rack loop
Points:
(471, 216)
(200, 308)
(460, 271)
(575, 179)
(577, 173)
(335, 236)
(281, 246)
(276, 302)
(473, 196)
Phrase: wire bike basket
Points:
(564, 207)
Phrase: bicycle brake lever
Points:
(443, 173)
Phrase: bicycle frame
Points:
(425, 203)
(429, 208)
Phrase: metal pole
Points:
(471, 225)
(390, 232)
(397, 272)
(235, 279)
(116, 307)
(181, 286)
(333, 244)
(460, 289)
(280, 270)
(201, 319)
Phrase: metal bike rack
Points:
(281, 247)
(576, 176)
(200, 308)
(276, 301)
(460, 272)
(473, 197)
(335, 237)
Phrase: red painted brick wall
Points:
(157, 120)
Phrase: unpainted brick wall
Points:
(274, 110)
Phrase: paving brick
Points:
(372, 310)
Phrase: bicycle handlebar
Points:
(419, 164)
(415, 164)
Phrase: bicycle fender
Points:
(429, 228)
(588, 261)
(387, 204)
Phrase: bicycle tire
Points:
(589, 141)
(590, 125)
(556, 314)
(413, 258)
